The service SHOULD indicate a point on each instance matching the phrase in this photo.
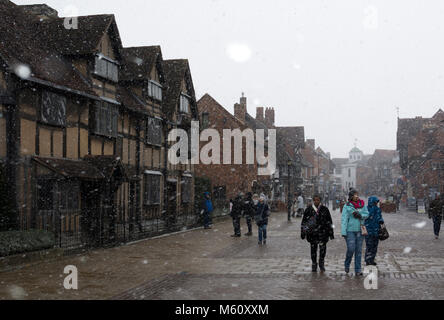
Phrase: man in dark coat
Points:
(261, 218)
(248, 212)
(236, 214)
(436, 213)
(317, 228)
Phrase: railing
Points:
(107, 226)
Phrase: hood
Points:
(372, 201)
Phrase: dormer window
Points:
(106, 67)
(184, 103)
(155, 90)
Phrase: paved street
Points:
(209, 264)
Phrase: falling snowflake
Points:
(23, 71)
(239, 52)
(420, 225)
(407, 250)
(17, 293)
(145, 261)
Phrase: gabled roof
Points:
(292, 135)
(175, 71)
(139, 61)
(255, 124)
(20, 45)
(209, 100)
(81, 41)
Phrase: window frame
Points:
(105, 110)
(151, 197)
(150, 140)
(104, 69)
(187, 98)
(158, 95)
(186, 189)
(61, 108)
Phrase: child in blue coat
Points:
(373, 224)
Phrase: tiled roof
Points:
(71, 168)
(139, 61)
(206, 99)
(175, 71)
(20, 45)
(131, 101)
(84, 40)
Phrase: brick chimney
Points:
(311, 143)
(260, 114)
(240, 109)
(269, 117)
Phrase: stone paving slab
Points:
(209, 264)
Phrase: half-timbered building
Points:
(83, 128)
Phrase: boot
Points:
(314, 267)
(321, 265)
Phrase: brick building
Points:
(227, 180)
(420, 144)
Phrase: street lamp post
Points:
(289, 163)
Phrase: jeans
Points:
(250, 227)
(322, 252)
(207, 219)
(437, 224)
(262, 232)
(236, 225)
(354, 247)
(371, 248)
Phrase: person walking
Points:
(236, 214)
(354, 214)
(317, 228)
(436, 214)
(289, 207)
(300, 205)
(373, 224)
(207, 210)
(248, 212)
(261, 218)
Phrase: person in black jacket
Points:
(248, 212)
(236, 214)
(261, 217)
(436, 214)
(317, 228)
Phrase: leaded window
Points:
(105, 119)
(53, 109)
(155, 90)
(152, 189)
(154, 131)
(186, 189)
(205, 120)
(107, 69)
(184, 103)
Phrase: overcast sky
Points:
(338, 68)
